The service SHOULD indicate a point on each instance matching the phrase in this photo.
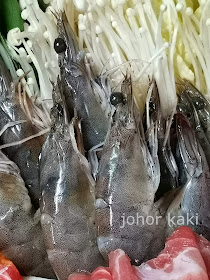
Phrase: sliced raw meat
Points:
(204, 247)
(120, 266)
(180, 260)
(8, 270)
(79, 276)
(101, 273)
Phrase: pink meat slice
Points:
(180, 260)
(101, 273)
(120, 266)
(204, 247)
(79, 276)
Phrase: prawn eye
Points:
(59, 45)
(116, 98)
(199, 103)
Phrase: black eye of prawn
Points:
(59, 45)
(199, 103)
(116, 98)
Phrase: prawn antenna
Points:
(168, 128)
(57, 14)
(78, 134)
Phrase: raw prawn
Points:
(126, 187)
(78, 91)
(21, 238)
(24, 155)
(164, 156)
(201, 105)
(193, 200)
(191, 106)
(68, 194)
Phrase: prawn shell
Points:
(124, 189)
(78, 92)
(21, 238)
(67, 205)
